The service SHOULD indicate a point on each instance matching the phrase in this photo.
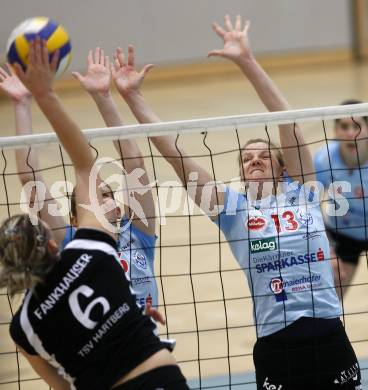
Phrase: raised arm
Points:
(97, 83)
(298, 159)
(182, 164)
(38, 79)
(27, 159)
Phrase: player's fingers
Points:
(161, 319)
(238, 23)
(102, 57)
(120, 56)
(146, 69)
(19, 71)
(116, 63)
(55, 61)
(228, 23)
(131, 57)
(90, 58)
(38, 50)
(44, 53)
(97, 55)
(107, 62)
(155, 314)
(3, 73)
(77, 76)
(32, 53)
(218, 29)
(112, 70)
(246, 26)
(215, 53)
(10, 69)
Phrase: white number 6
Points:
(83, 316)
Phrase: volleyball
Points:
(53, 33)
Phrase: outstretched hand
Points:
(236, 42)
(125, 75)
(40, 72)
(11, 85)
(98, 76)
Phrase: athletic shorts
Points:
(324, 362)
(161, 378)
(346, 248)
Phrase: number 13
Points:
(289, 217)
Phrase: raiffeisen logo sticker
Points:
(277, 287)
(263, 245)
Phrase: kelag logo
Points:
(265, 245)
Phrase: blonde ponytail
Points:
(24, 256)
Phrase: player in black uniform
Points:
(79, 325)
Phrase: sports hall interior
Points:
(317, 54)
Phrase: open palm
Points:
(11, 85)
(236, 43)
(126, 77)
(98, 76)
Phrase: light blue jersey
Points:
(136, 252)
(281, 245)
(329, 167)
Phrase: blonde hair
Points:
(24, 256)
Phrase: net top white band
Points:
(187, 126)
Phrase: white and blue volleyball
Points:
(47, 29)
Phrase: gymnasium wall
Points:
(179, 31)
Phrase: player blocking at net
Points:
(136, 242)
(301, 342)
(137, 238)
(79, 325)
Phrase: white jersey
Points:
(281, 245)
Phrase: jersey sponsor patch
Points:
(256, 223)
(291, 261)
(292, 200)
(127, 245)
(277, 287)
(140, 260)
(305, 218)
(320, 255)
(311, 235)
(263, 245)
(303, 283)
(141, 280)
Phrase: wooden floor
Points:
(220, 334)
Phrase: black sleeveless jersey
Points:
(84, 319)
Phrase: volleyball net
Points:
(203, 292)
